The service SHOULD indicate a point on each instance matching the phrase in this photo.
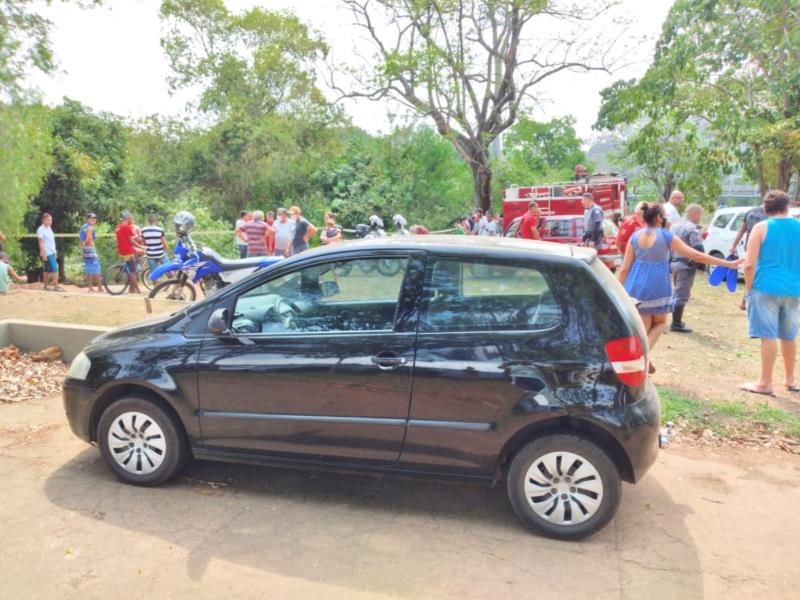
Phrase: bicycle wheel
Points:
(115, 279)
(145, 276)
(389, 267)
(174, 289)
(366, 266)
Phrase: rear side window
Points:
(513, 229)
(558, 228)
(737, 222)
(475, 295)
(722, 220)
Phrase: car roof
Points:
(462, 244)
(732, 209)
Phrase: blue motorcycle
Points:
(193, 266)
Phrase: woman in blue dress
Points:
(645, 270)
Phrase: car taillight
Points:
(627, 359)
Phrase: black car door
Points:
(318, 363)
(491, 346)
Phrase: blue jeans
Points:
(773, 317)
(242, 251)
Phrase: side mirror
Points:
(218, 322)
(328, 288)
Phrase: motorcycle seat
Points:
(227, 264)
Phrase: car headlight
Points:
(80, 366)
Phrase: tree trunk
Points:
(481, 183)
(785, 169)
(669, 187)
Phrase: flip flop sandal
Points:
(731, 279)
(793, 388)
(760, 393)
(718, 275)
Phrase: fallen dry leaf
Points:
(23, 379)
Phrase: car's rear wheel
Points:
(564, 486)
(141, 442)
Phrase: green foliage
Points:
(25, 158)
(732, 65)
(252, 63)
(537, 152)
(25, 43)
(725, 417)
(413, 172)
(88, 154)
(468, 66)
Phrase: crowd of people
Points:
(260, 234)
(664, 251)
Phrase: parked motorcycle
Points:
(206, 268)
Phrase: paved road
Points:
(724, 527)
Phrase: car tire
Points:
(563, 486)
(141, 442)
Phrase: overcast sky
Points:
(111, 60)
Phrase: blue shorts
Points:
(773, 317)
(91, 266)
(50, 264)
(154, 263)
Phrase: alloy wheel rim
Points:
(137, 443)
(563, 488)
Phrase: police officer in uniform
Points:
(683, 269)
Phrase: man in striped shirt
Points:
(256, 232)
(155, 243)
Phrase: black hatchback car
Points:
(494, 358)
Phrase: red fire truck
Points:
(565, 198)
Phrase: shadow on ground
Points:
(388, 535)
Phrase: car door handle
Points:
(388, 361)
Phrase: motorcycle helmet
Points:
(399, 221)
(362, 230)
(184, 223)
(375, 222)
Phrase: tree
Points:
(270, 124)
(256, 63)
(734, 66)
(411, 171)
(468, 64)
(88, 154)
(668, 151)
(25, 159)
(24, 43)
(537, 151)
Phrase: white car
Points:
(725, 224)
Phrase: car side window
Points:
(737, 222)
(722, 220)
(475, 295)
(513, 229)
(558, 228)
(343, 296)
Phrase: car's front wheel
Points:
(564, 486)
(141, 442)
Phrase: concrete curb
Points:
(33, 336)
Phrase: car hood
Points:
(152, 325)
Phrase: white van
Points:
(724, 226)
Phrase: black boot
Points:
(677, 320)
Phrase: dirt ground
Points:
(699, 525)
(711, 362)
(77, 306)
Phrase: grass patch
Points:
(726, 418)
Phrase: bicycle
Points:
(115, 277)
